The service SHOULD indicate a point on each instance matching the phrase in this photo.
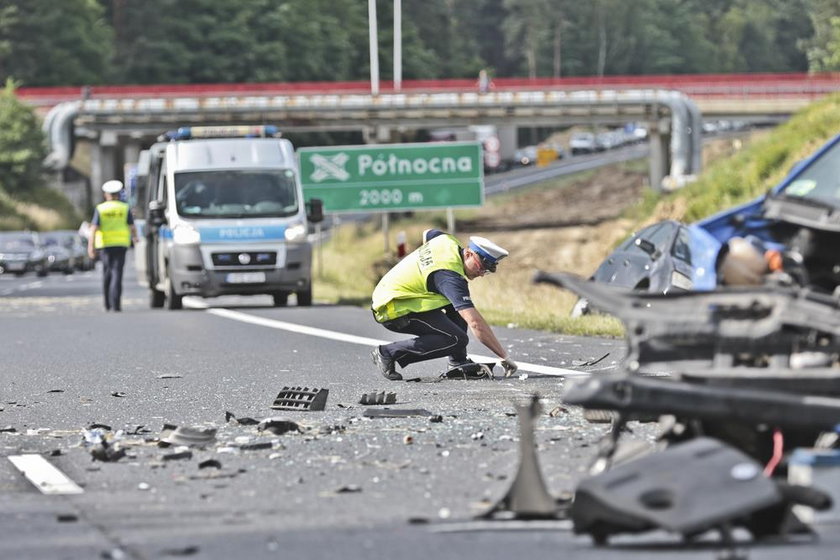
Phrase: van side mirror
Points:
(156, 213)
(315, 210)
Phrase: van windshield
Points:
(236, 194)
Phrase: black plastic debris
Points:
(256, 446)
(278, 426)
(187, 435)
(66, 517)
(178, 456)
(527, 497)
(592, 362)
(378, 398)
(186, 551)
(395, 412)
(349, 489)
(106, 452)
(244, 421)
(301, 398)
(117, 394)
(55, 391)
(169, 376)
(210, 464)
(98, 426)
(8, 430)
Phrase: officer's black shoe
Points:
(453, 364)
(386, 365)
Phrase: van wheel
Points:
(304, 298)
(173, 300)
(156, 299)
(280, 298)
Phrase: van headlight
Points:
(183, 234)
(295, 232)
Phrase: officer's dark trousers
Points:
(113, 261)
(442, 332)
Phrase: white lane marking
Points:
(45, 477)
(365, 341)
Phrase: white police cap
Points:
(489, 252)
(112, 186)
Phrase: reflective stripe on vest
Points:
(404, 290)
(113, 230)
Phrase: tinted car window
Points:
(682, 247)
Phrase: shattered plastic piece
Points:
(301, 398)
(8, 430)
(96, 426)
(349, 489)
(436, 419)
(210, 464)
(55, 391)
(117, 394)
(278, 426)
(187, 435)
(378, 398)
(557, 411)
(169, 376)
(395, 412)
(527, 497)
(66, 518)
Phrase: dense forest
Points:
(79, 42)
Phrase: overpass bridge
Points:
(116, 122)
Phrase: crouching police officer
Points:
(111, 232)
(426, 294)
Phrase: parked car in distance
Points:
(59, 252)
(525, 156)
(665, 257)
(76, 244)
(582, 143)
(21, 252)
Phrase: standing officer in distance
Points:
(111, 232)
(426, 294)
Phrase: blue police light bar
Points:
(232, 131)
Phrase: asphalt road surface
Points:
(338, 484)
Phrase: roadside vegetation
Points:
(353, 258)
(26, 202)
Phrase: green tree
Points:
(47, 43)
(21, 144)
(823, 48)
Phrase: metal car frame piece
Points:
(751, 367)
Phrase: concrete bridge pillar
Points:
(102, 163)
(659, 164)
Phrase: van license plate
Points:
(245, 278)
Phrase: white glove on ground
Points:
(509, 366)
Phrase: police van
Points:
(221, 211)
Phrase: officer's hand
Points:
(509, 366)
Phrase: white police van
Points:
(221, 211)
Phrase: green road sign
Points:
(389, 177)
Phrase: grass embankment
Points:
(354, 258)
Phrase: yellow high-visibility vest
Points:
(113, 230)
(403, 289)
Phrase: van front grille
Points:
(245, 258)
